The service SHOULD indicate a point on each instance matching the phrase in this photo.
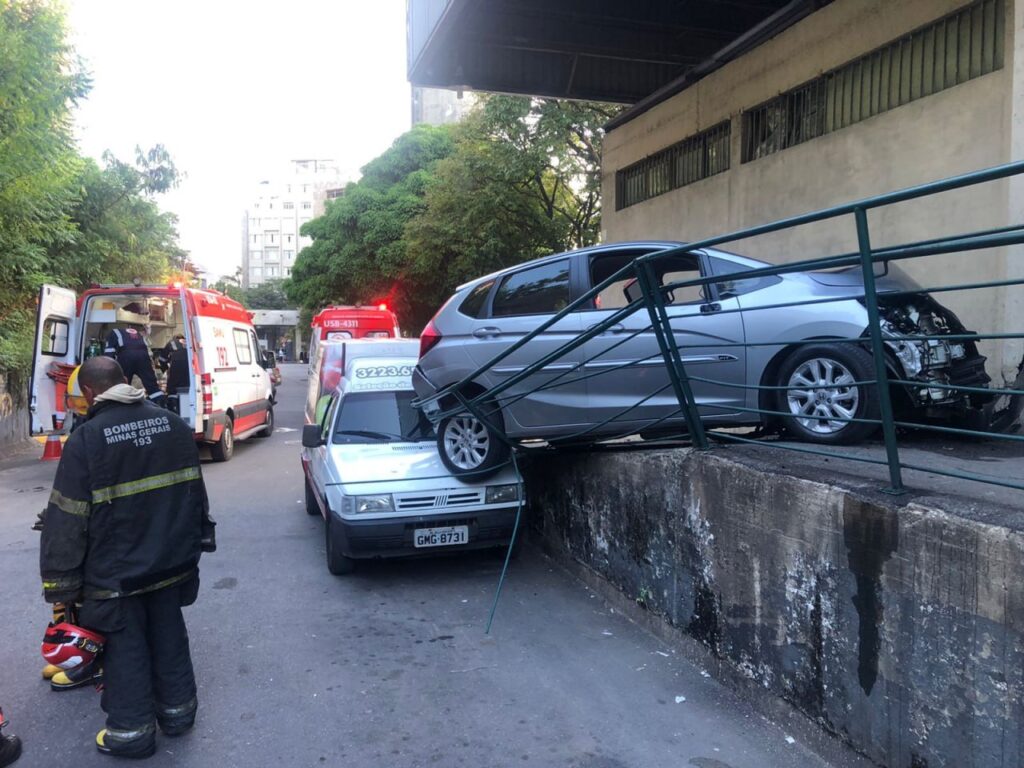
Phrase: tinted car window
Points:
(536, 291)
(371, 417)
(473, 306)
(738, 287)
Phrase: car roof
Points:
(625, 245)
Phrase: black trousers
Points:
(137, 363)
(147, 667)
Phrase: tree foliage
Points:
(268, 295)
(518, 178)
(65, 218)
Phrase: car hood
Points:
(400, 462)
(853, 278)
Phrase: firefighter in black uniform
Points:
(128, 347)
(122, 535)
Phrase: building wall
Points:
(961, 129)
(278, 210)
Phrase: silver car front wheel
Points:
(825, 399)
(825, 389)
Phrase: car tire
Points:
(337, 563)
(472, 449)
(828, 365)
(269, 429)
(312, 507)
(224, 448)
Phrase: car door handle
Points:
(617, 328)
(486, 332)
(707, 309)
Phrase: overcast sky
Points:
(234, 91)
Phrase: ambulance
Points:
(342, 323)
(229, 395)
(372, 469)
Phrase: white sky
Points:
(234, 91)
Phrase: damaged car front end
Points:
(934, 359)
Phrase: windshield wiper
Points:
(367, 433)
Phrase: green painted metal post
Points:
(662, 327)
(878, 352)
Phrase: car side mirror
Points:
(312, 436)
(633, 291)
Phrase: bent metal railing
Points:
(462, 396)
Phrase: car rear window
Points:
(540, 290)
(473, 305)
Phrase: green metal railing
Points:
(466, 395)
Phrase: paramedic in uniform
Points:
(128, 347)
(123, 531)
(174, 359)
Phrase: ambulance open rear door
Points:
(56, 353)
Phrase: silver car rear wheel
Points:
(821, 394)
(469, 447)
(466, 442)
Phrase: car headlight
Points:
(381, 502)
(496, 494)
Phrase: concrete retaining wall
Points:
(897, 628)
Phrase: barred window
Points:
(692, 159)
(959, 47)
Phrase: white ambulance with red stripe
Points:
(229, 395)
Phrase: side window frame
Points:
(52, 337)
(492, 299)
(240, 334)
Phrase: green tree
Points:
(120, 233)
(41, 80)
(268, 295)
(359, 251)
(518, 178)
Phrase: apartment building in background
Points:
(277, 211)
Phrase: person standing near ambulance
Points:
(123, 532)
(128, 347)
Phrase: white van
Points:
(372, 470)
(229, 395)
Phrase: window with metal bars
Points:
(959, 47)
(692, 159)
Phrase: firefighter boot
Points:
(174, 721)
(135, 743)
(10, 746)
(50, 670)
(83, 674)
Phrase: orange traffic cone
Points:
(53, 448)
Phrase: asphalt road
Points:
(388, 667)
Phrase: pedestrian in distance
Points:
(128, 347)
(122, 536)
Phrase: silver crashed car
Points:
(614, 384)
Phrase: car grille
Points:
(413, 502)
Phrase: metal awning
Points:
(605, 50)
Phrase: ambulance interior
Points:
(160, 318)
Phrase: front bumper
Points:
(393, 537)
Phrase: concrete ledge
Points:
(896, 627)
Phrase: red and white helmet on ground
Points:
(67, 645)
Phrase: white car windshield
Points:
(373, 417)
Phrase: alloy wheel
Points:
(826, 395)
(466, 442)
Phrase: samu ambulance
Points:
(229, 395)
(372, 470)
(343, 323)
